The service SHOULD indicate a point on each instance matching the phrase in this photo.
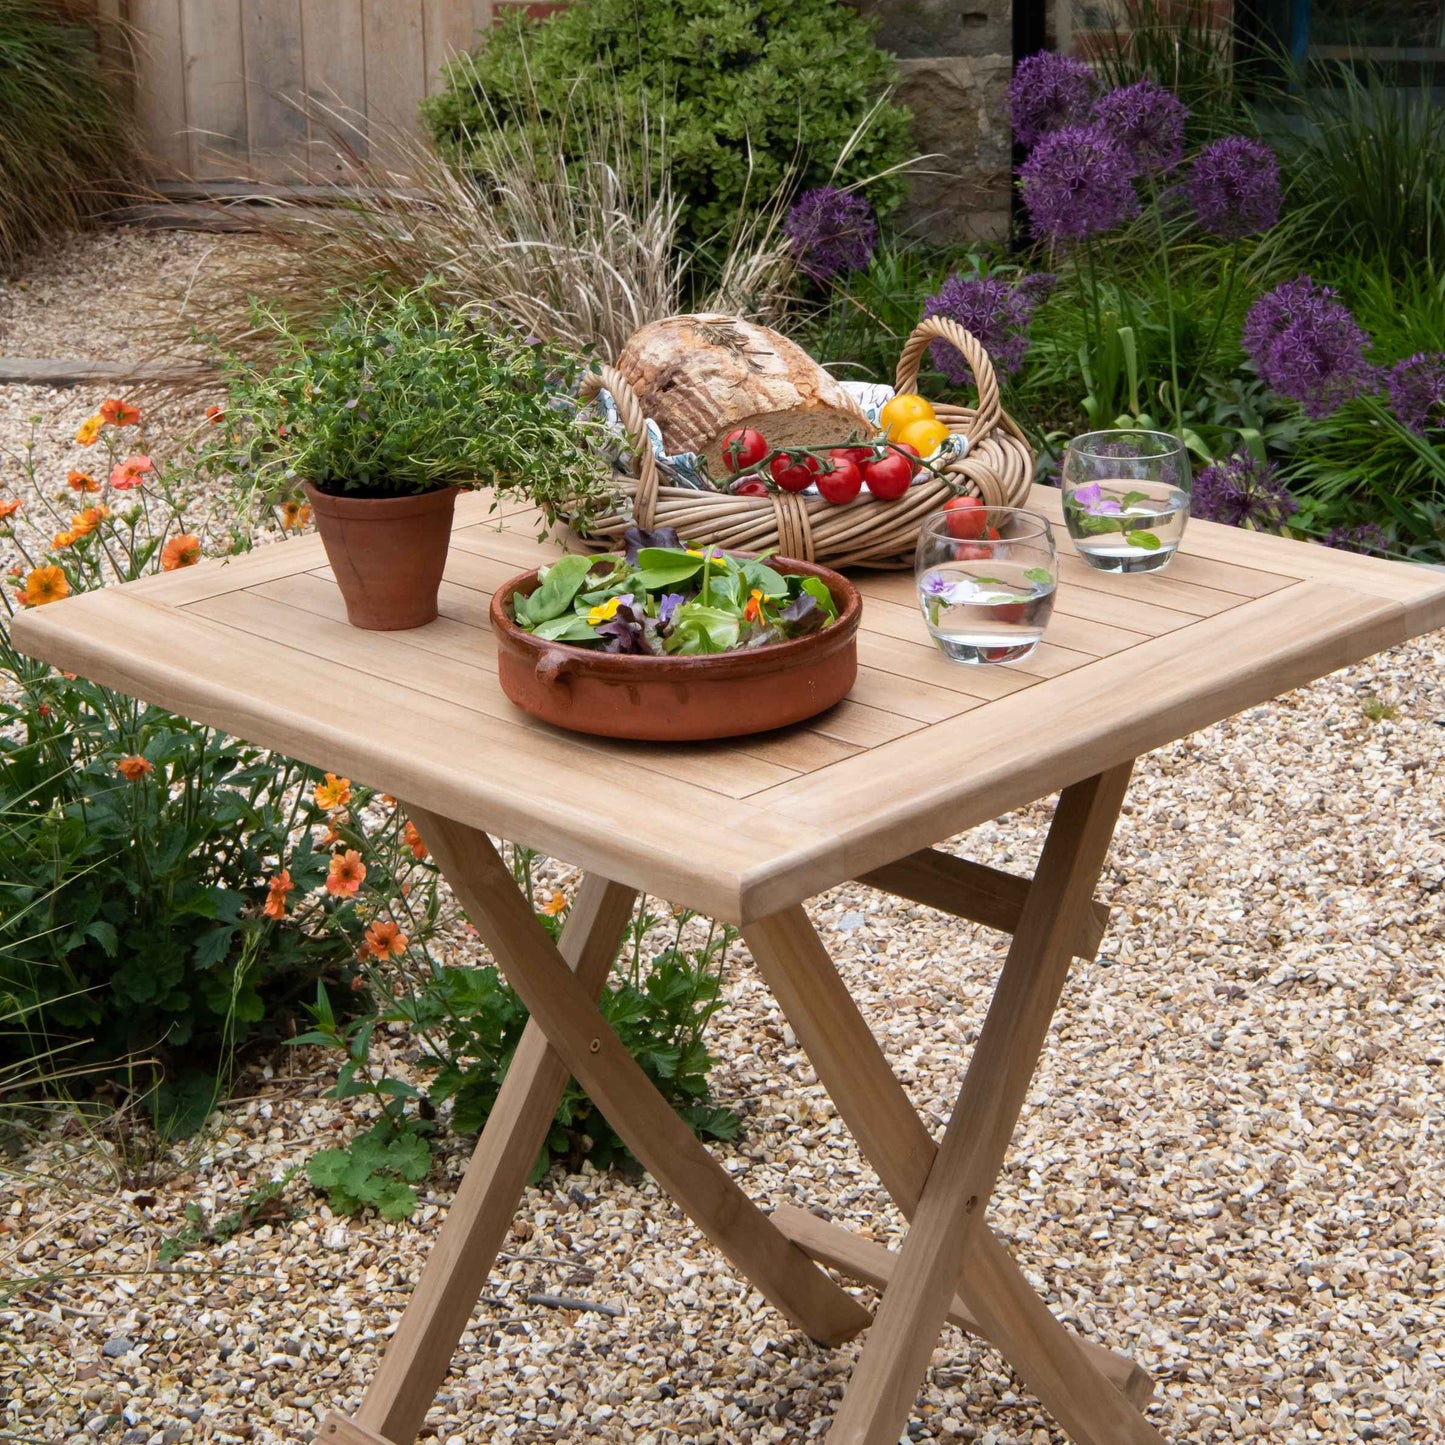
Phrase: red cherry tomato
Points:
(888, 477)
(1008, 611)
(795, 475)
(966, 518)
(843, 482)
(970, 552)
(906, 447)
(992, 534)
(750, 487)
(859, 456)
(743, 448)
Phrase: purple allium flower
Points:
(1234, 187)
(1307, 346)
(995, 311)
(1366, 537)
(1242, 489)
(1148, 121)
(1078, 182)
(1417, 391)
(832, 231)
(1048, 92)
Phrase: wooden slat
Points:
(338, 1430)
(975, 891)
(275, 87)
(447, 31)
(65, 371)
(160, 83)
(216, 101)
(907, 698)
(331, 31)
(395, 73)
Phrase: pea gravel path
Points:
(1231, 1163)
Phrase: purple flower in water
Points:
(831, 231)
(667, 604)
(936, 584)
(1234, 187)
(1048, 92)
(1078, 182)
(1148, 121)
(1092, 499)
(1417, 391)
(1242, 489)
(1307, 346)
(1366, 537)
(997, 312)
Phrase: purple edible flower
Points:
(995, 311)
(831, 231)
(667, 604)
(1242, 489)
(1078, 182)
(1148, 121)
(1092, 499)
(1234, 187)
(1417, 391)
(936, 584)
(1366, 537)
(1306, 345)
(1048, 92)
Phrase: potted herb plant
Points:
(384, 415)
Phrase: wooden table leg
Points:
(1052, 1361)
(416, 1359)
(576, 1029)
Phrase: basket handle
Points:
(634, 423)
(940, 328)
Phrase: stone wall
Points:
(956, 60)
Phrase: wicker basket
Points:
(998, 469)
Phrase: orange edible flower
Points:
(333, 793)
(81, 482)
(346, 873)
(276, 890)
(182, 551)
(8, 509)
(45, 584)
(295, 514)
(754, 610)
(554, 905)
(82, 524)
(88, 432)
(127, 474)
(412, 839)
(385, 940)
(134, 768)
(215, 414)
(119, 413)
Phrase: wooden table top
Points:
(920, 750)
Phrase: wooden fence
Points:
(223, 87)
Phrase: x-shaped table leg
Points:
(945, 1189)
(566, 1034)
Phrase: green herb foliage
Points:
(403, 395)
(752, 94)
(264, 1204)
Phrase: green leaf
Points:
(1132, 499)
(562, 583)
(1040, 575)
(661, 567)
(571, 628)
(213, 947)
(770, 583)
(328, 1168)
(697, 629)
(817, 589)
(1147, 540)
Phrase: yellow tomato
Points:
(901, 410)
(927, 434)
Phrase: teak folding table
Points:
(921, 751)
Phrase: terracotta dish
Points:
(671, 699)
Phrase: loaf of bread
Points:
(699, 377)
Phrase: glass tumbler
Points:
(986, 578)
(1126, 498)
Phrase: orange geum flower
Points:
(412, 839)
(44, 584)
(277, 888)
(127, 474)
(134, 768)
(215, 414)
(295, 514)
(182, 551)
(81, 482)
(82, 524)
(385, 940)
(88, 432)
(61, 540)
(345, 874)
(554, 905)
(119, 413)
(9, 509)
(333, 793)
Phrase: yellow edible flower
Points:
(604, 611)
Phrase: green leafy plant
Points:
(399, 395)
(261, 1205)
(752, 94)
(64, 129)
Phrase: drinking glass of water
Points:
(1126, 498)
(986, 578)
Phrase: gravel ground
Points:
(1230, 1164)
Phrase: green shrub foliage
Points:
(750, 94)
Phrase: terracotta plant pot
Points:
(670, 699)
(388, 554)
